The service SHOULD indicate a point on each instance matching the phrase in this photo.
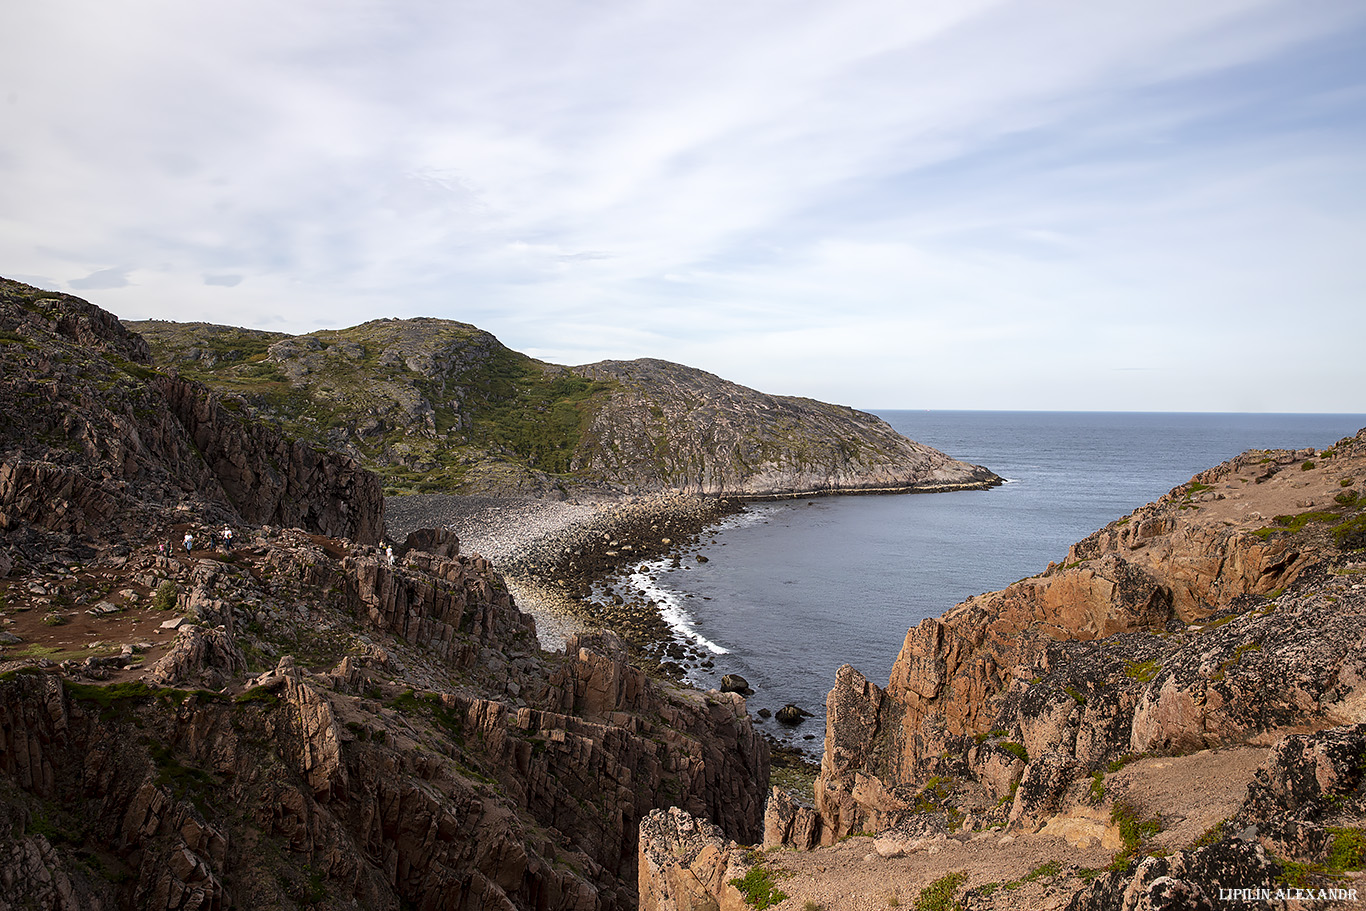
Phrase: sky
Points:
(971, 204)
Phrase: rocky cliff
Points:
(98, 445)
(1172, 628)
(294, 719)
(407, 744)
(1177, 708)
(435, 405)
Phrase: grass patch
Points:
(1351, 534)
(1018, 749)
(1347, 850)
(759, 886)
(1097, 789)
(165, 596)
(1134, 830)
(1142, 671)
(1213, 835)
(939, 895)
(257, 695)
(1238, 654)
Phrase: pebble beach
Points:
(553, 552)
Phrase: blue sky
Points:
(970, 204)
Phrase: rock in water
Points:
(734, 683)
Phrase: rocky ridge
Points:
(435, 405)
(100, 449)
(1225, 617)
(293, 719)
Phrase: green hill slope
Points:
(436, 405)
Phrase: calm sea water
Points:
(793, 590)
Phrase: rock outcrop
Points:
(1172, 718)
(419, 750)
(666, 425)
(99, 447)
(298, 718)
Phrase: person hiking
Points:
(227, 540)
(189, 542)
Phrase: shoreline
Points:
(558, 556)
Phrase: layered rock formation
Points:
(297, 719)
(441, 762)
(439, 405)
(98, 446)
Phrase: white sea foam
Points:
(670, 606)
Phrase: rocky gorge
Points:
(295, 718)
(1172, 714)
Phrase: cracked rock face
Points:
(296, 720)
(98, 447)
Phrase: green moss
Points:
(940, 894)
(1051, 868)
(932, 797)
(1017, 748)
(1072, 691)
(1351, 534)
(1213, 835)
(1347, 850)
(759, 886)
(1134, 830)
(1142, 671)
(257, 695)
(1298, 522)
(108, 695)
(184, 781)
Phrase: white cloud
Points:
(830, 199)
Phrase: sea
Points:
(791, 590)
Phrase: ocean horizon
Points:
(791, 590)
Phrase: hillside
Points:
(295, 719)
(440, 406)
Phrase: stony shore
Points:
(556, 555)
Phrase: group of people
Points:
(223, 540)
(217, 540)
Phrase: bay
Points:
(792, 590)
